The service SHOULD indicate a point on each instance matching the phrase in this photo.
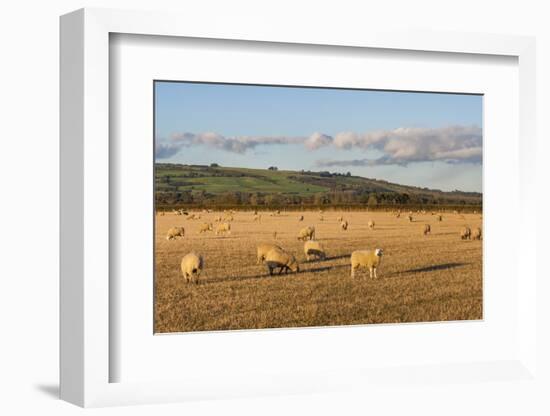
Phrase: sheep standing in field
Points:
(205, 227)
(175, 232)
(263, 249)
(439, 217)
(371, 224)
(465, 233)
(410, 218)
(476, 234)
(427, 229)
(301, 218)
(278, 258)
(314, 249)
(223, 228)
(191, 267)
(307, 233)
(366, 258)
(398, 215)
(344, 225)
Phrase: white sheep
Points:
(427, 229)
(366, 258)
(465, 233)
(410, 218)
(307, 233)
(191, 267)
(175, 232)
(278, 258)
(223, 228)
(344, 225)
(301, 218)
(340, 218)
(263, 249)
(371, 224)
(205, 227)
(476, 234)
(314, 249)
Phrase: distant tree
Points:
(348, 174)
(373, 200)
(273, 168)
(214, 165)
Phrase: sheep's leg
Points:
(270, 270)
(352, 272)
(375, 276)
(370, 271)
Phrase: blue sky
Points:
(421, 139)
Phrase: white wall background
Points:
(29, 189)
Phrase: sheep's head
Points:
(293, 265)
(378, 252)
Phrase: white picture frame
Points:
(85, 353)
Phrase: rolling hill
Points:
(196, 184)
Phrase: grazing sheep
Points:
(439, 217)
(410, 218)
(191, 267)
(398, 215)
(205, 227)
(427, 229)
(344, 225)
(307, 233)
(476, 234)
(223, 228)
(263, 249)
(371, 224)
(278, 258)
(175, 232)
(278, 212)
(314, 249)
(366, 258)
(340, 219)
(465, 233)
(190, 217)
(301, 218)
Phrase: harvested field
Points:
(434, 277)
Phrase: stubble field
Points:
(437, 277)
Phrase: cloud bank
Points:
(401, 146)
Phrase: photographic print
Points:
(291, 206)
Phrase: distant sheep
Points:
(175, 232)
(439, 217)
(191, 267)
(410, 218)
(301, 218)
(205, 227)
(218, 219)
(223, 228)
(307, 233)
(263, 249)
(476, 234)
(466, 233)
(278, 258)
(340, 219)
(314, 249)
(371, 224)
(427, 229)
(344, 225)
(366, 258)
(257, 218)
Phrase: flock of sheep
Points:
(275, 257)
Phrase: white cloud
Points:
(401, 146)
